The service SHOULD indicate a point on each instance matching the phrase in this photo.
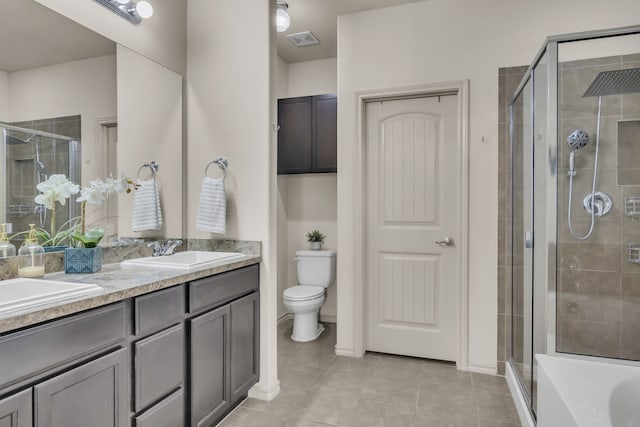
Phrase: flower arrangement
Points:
(95, 193)
(57, 189)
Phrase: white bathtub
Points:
(584, 393)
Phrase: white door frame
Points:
(461, 88)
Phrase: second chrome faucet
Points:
(164, 247)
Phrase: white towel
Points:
(212, 212)
(147, 214)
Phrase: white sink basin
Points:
(185, 260)
(18, 295)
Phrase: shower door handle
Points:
(528, 239)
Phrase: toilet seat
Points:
(303, 293)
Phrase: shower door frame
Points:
(550, 48)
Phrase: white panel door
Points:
(413, 200)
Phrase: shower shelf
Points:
(632, 206)
(633, 253)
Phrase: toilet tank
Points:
(316, 268)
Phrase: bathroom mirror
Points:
(92, 108)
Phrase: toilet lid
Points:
(303, 293)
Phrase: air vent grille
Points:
(306, 38)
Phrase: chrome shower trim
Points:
(35, 132)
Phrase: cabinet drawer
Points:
(159, 366)
(216, 290)
(168, 413)
(43, 347)
(159, 309)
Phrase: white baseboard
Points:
(285, 317)
(347, 353)
(326, 318)
(260, 392)
(482, 369)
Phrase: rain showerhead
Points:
(615, 82)
(578, 139)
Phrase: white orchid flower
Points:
(56, 189)
(93, 195)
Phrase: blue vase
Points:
(58, 248)
(82, 260)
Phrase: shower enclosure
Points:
(574, 124)
(28, 157)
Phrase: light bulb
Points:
(283, 20)
(144, 9)
(123, 1)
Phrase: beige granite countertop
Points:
(119, 283)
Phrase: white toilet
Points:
(316, 272)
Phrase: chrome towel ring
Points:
(153, 165)
(222, 164)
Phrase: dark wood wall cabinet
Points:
(307, 135)
(181, 362)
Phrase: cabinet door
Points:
(95, 394)
(325, 133)
(209, 373)
(294, 135)
(15, 411)
(244, 345)
(159, 367)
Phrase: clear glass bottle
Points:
(31, 256)
(6, 248)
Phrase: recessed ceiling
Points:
(32, 35)
(321, 18)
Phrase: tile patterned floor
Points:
(320, 389)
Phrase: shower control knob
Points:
(447, 241)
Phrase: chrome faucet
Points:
(164, 247)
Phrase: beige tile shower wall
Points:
(508, 80)
(598, 303)
(66, 90)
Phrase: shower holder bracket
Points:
(632, 206)
(602, 203)
(633, 253)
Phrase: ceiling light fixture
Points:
(283, 20)
(130, 10)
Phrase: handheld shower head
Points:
(578, 139)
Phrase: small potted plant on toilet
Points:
(316, 239)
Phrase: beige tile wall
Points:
(598, 310)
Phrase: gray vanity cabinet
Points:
(244, 345)
(95, 394)
(209, 361)
(15, 411)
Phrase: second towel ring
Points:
(222, 164)
(153, 165)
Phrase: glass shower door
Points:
(522, 236)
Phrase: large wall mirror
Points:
(73, 102)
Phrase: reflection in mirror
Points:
(57, 92)
(58, 77)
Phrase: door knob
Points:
(448, 241)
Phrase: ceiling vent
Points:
(305, 38)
